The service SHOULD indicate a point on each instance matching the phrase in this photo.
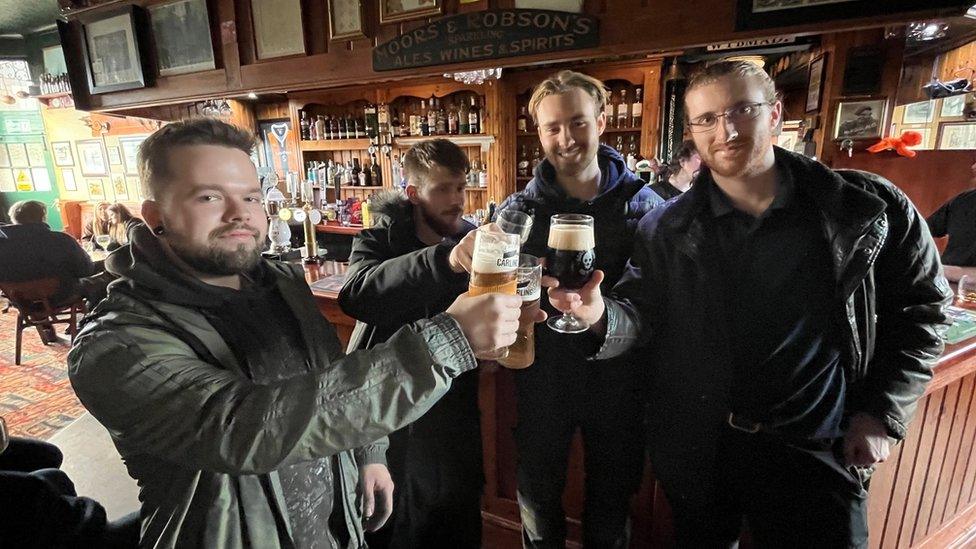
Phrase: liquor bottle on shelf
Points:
(536, 159)
(632, 154)
(367, 172)
(620, 145)
(347, 175)
(304, 125)
(471, 180)
(523, 119)
(395, 127)
(356, 172)
(358, 125)
(320, 127)
(441, 119)
(637, 108)
(343, 128)
(414, 123)
(612, 110)
(376, 172)
(397, 169)
(369, 121)
(330, 174)
(432, 116)
(523, 162)
(425, 115)
(474, 116)
(326, 128)
(334, 127)
(383, 116)
(452, 120)
(464, 125)
(483, 175)
(623, 119)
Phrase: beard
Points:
(749, 152)
(445, 224)
(214, 260)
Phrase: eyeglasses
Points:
(736, 115)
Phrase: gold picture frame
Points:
(392, 11)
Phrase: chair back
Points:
(32, 297)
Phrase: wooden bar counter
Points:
(923, 496)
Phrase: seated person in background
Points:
(680, 173)
(957, 220)
(31, 251)
(120, 220)
(98, 224)
(41, 508)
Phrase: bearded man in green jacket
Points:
(223, 387)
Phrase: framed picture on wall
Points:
(61, 150)
(96, 189)
(815, 83)
(953, 106)
(402, 10)
(35, 154)
(130, 153)
(114, 156)
(181, 32)
(957, 136)
(860, 119)
(91, 157)
(278, 30)
(113, 54)
(68, 178)
(119, 187)
(17, 153)
(345, 20)
(919, 112)
(4, 157)
(764, 14)
(7, 184)
(42, 179)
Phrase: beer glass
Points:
(515, 222)
(494, 268)
(521, 354)
(966, 290)
(570, 260)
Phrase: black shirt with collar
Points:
(780, 286)
(957, 219)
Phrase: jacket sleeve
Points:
(373, 453)
(629, 308)
(938, 222)
(380, 286)
(155, 396)
(78, 263)
(911, 295)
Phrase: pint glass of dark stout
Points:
(570, 259)
(494, 267)
(521, 354)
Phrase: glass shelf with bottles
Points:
(345, 170)
(624, 108)
(322, 125)
(458, 114)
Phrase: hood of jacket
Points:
(613, 170)
(143, 268)
(394, 213)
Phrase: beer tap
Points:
(847, 145)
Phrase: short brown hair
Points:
(422, 156)
(154, 152)
(564, 81)
(738, 69)
(27, 211)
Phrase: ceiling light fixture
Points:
(252, 95)
(924, 31)
(475, 77)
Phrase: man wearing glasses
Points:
(790, 312)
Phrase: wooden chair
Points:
(34, 309)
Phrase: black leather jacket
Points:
(890, 298)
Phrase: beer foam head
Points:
(578, 238)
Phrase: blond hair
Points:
(565, 81)
(738, 69)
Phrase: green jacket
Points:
(204, 442)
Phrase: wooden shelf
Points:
(484, 141)
(335, 145)
(524, 178)
(359, 187)
(476, 188)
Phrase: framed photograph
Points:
(42, 179)
(181, 32)
(111, 48)
(35, 154)
(130, 153)
(68, 178)
(91, 157)
(278, 30)
(953, 106)
(860, 119)
(114, 156)
(7, 184)
(345, 20)
(402, 10)
(815, 83)
(764, 14)
(957, 136)
(96, 190)
(119, 188)
(919, 113)
(862, 73)
(17, 154)
(574, 6)
(4, 157)
(61, 150)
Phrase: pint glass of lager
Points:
(521, 354)
(570, 259)
(494, 267)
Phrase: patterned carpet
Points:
(36, 399)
